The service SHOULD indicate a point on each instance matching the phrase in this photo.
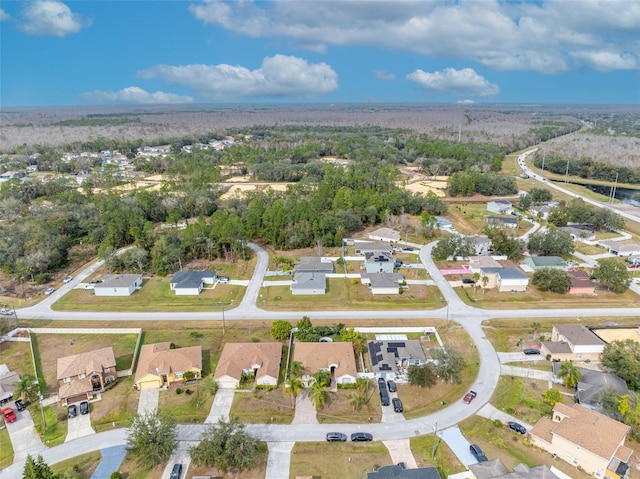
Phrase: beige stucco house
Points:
(586, 439)
(161, 366)
(337, 358)
(262, 360)
(573, 342)
(81, 375)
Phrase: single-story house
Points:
(445, 225)
(539, 262)
(8, 380)
(481, 244)
(501, 207)
(397, 471)
(379, 262)
(502, 221)
(364, 247)
(262, 360)
(495, 469)
(477, 263)
(391, 358)
(81, 375)
(580, 283)
(383, 283)
(337, 358)
(505, 279)
(573, 342)
(384, 234)
(542, 210)
(191, 282)
(313, 264)
(579, 232)
(620, 248)
(585, 439)
(160, 366)
(118, 285)
(592, 382)
(309, 283)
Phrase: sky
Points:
(94, 52)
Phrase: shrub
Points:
(497, 423)
(255, 339)
(178, 390)
(115, 475)
(188, 392)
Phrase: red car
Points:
(470, 396)
(9, 415)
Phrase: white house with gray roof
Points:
(309, 283)
(506, 279)
(553, 262)
(379, 262)
(118, 285)
(313, 264)
(502, 207)
(383, 283)
(191, 283)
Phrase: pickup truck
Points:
(470, 396)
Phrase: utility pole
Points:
(566, 174)
(224, 326)
(613, 190)
(435, 438)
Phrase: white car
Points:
(49, 291)
(67, 279)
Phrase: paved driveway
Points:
(458, 444)
(400, 451)
(79, 426)
(23, 437)
(528, 373)
(180, 456)
(279, 460)
(112, 457)
(519, 356)
(148, 400)
(490, 412)
(221, 405)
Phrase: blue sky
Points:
(157, 52)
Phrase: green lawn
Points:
(79, 466)
(521, 398)
(17, 356)
(155, 295)
(192, 405)
(6, 449)
(445, 460)
(56, 423)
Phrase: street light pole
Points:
(224, 326)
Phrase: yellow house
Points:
(586, 439)
(160, 366)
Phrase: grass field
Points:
(192, 405)
(17, 356)
(263, 407)
(6, 449)
(445, 460)
(80, 466)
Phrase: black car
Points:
(392, 386)
(382, 385)
(397, 405)
(20, 405)
(361, 436)
(84, 407)
(468, 281)
(176, 472)
(517, 427)
(531, 351)
(477, 453)
(72, 411)
(384, 397)
(336, 437)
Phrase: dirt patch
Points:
(609, 335)
(340, 410)
(263, 407)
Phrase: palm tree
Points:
(476, 278)
(485, 281)
(570, 373)
(318, 394)
(26, 388)
(294, 384)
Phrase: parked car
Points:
(477, 453)
(361, 436)
(223, 279)
(9, 415)
(176, 472)
(531, 351)
(397, 405)
(408, 248)
(20, 405)
(384, 397)
(68, 279)
(336, 437)
(402, 465)
(517, 427)
(382, 385)
(72, 411)
(84, 407)
(470, 396)
(49, 291)
(468, 281)
(392, 386)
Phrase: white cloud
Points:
(539, 36)
(3, 15)
(465, 102)
(383, 75)
(51, 18)
(279, 76)
(606, 60)
(460, 82)
(134, 94)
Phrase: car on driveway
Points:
(68, 279)
(49, 291)
(336, 437)
(531, 351)
(477, 453)
(84, 407)
(176, 472)
(470, 396)
(223, 279)
(20, 405)
(9, 415)
(397, 405)
(72, 411)
(517, 427)
(361, 436)
(392, 386)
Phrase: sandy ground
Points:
(621, 334)
(241, 188)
